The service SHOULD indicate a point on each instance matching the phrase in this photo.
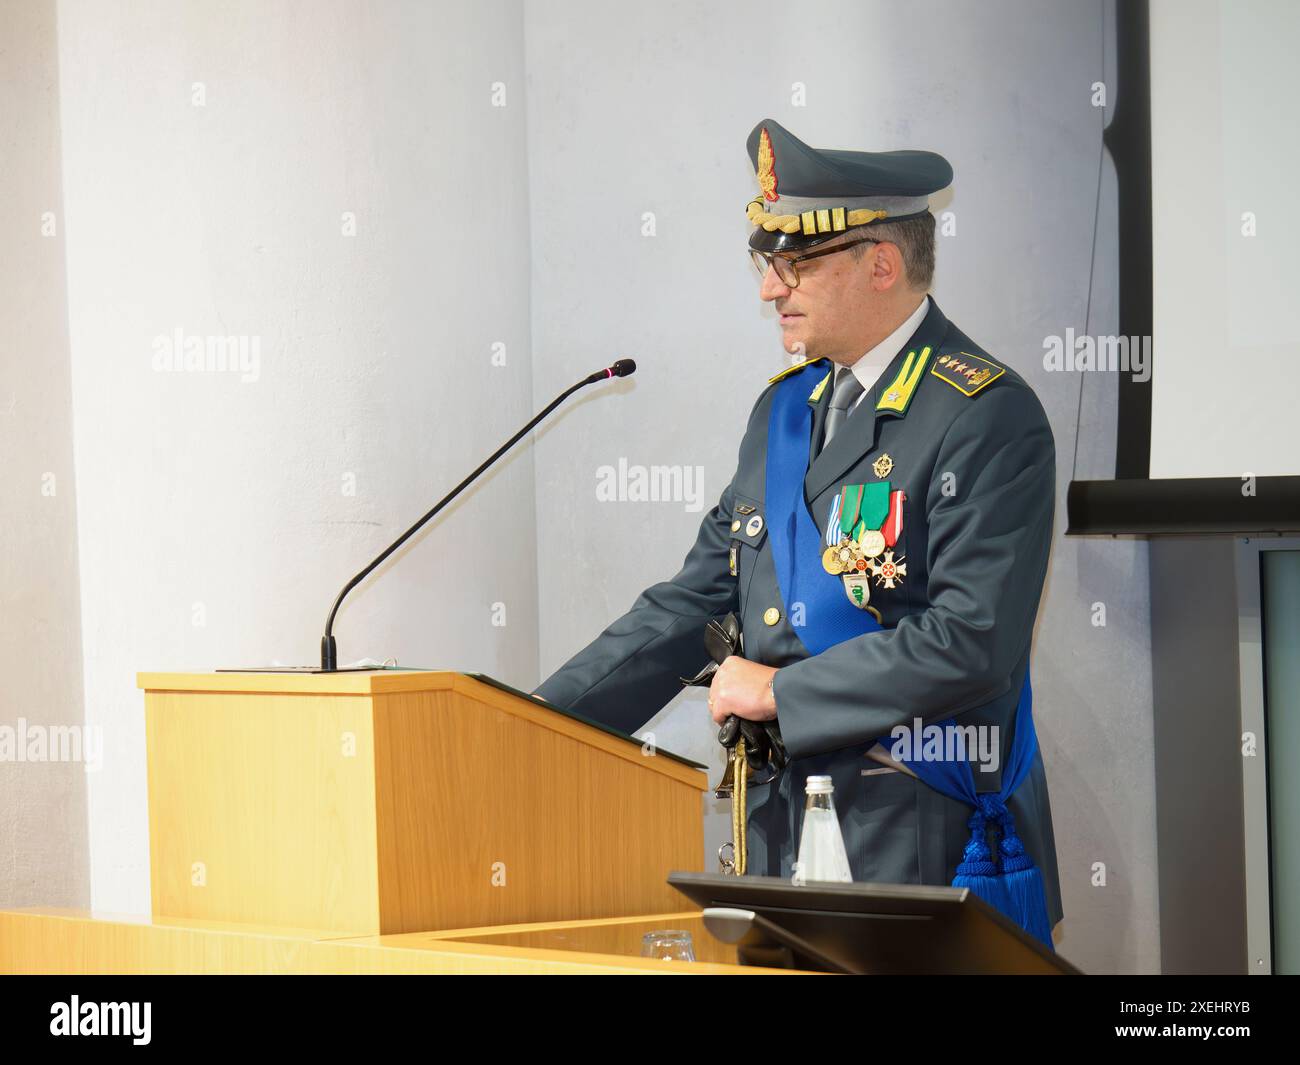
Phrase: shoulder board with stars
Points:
(794, 369)
(966, 373)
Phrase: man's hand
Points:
(740, 687)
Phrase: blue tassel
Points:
(977, 871)
(1023, 884)
(1013, 886)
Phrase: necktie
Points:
(847, 389)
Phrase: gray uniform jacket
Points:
(973, 452)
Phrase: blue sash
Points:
(822, 617)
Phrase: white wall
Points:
(43, 846)
(214, 526)
(636, 109)
(1224, 91)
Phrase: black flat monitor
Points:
(868, 929)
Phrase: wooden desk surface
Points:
(47, 940)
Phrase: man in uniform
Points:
(884, 542)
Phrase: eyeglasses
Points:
(785, 265)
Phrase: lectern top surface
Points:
(386, 681)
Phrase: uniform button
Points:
(735, 525)
(771, 616)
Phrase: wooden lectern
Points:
(391, 801)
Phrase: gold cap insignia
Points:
(766, 167)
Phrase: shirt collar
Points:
(869, 368)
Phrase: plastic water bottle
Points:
(821, 845)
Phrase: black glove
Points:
(721, 640)
(763, 746)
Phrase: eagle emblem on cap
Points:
(766, 166)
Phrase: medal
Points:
(857, 586)
(893, 527)
(841, 558)
(833, 523)
(871, 543)
(866, 506)
(889, 571)
(856, 516)
(850, 506)
(865, 522)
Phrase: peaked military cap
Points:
(810, 195)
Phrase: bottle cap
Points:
(819, 786)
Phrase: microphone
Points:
(329, 656)
(622, 368)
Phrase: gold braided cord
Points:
(739, 775)
(793, 223)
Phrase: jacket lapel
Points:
(820, 401)
(889, 398)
